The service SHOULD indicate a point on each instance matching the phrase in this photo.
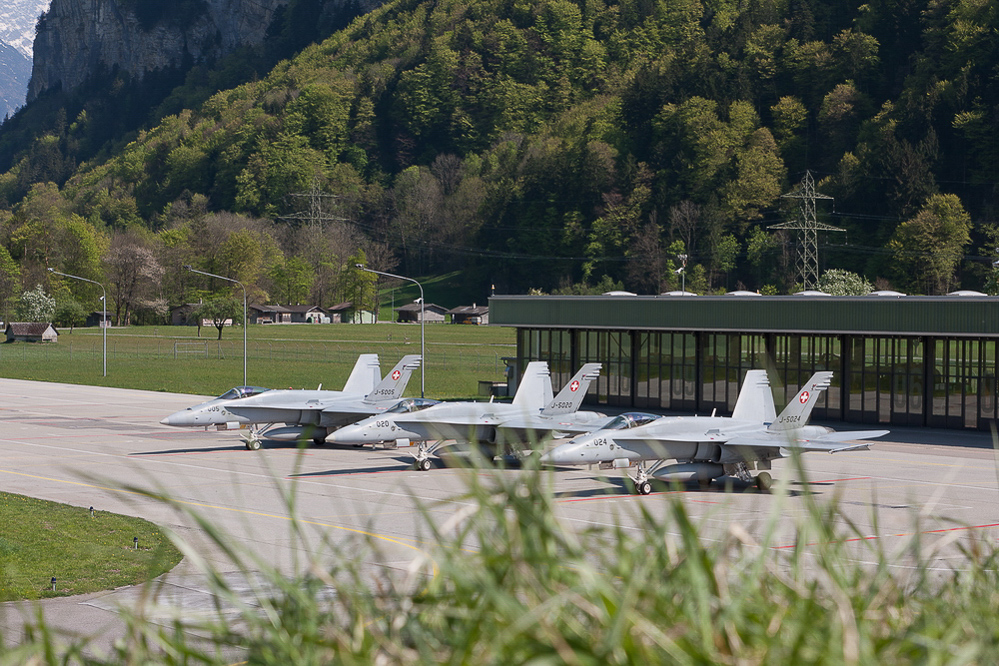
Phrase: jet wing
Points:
(286, 412)
(352, 408)
(688, 437)
(528, 423)
(833, 442)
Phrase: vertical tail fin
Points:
(365, 375)
(572, 394)
(755, 401)
(796, 414)
(391, 388)
(535, 389)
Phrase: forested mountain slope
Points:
(539, 144)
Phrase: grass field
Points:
(174, 359)
(83, 552)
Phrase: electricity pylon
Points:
(808, 227)
(315, 215)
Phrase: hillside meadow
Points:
(175, 359)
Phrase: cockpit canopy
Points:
(407, 405)
(242, 392)
(631, 420)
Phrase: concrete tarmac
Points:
(92, 446)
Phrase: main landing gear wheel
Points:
(253, 444)
(423, 465)
(643, 488)
(764, 481)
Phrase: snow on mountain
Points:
(17, 22)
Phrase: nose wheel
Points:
(423, 462)
(642, 485)
(252, 440)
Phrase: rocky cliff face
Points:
(78, 37)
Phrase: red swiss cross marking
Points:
(396, 374)
(574, 386)
(804, 397)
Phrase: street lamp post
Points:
(228, 279)
(104, 312)
(423, 320)
(683, 273)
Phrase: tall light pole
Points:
(104, 311)
(683, 273)
(228, 279)
(423, 321)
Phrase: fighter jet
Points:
(211, 413)
(215, 413)
(490, 427)
(314, 413)
(707, 447)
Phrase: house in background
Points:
(308, 314)
(268, 314)
(181, 315)
(339, 313)
(32, 331)
(470, 314)
(433, 314)
(99, 318)
(360, 317)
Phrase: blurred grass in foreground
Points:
(174, 359)
(508, 582)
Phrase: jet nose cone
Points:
(346, 435)
(169, 420)
(554, 456)
(562, 454)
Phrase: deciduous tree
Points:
(220, 310)
(36, 305)
(133, 273)
(928, 248)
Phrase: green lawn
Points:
(40, 540)
(173, 358)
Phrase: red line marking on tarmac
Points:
(900, 534)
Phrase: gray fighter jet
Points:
(310, 414)
(301, 410)
(707, 447)
(215, 412)
(454, 429)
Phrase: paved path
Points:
(85, 445)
